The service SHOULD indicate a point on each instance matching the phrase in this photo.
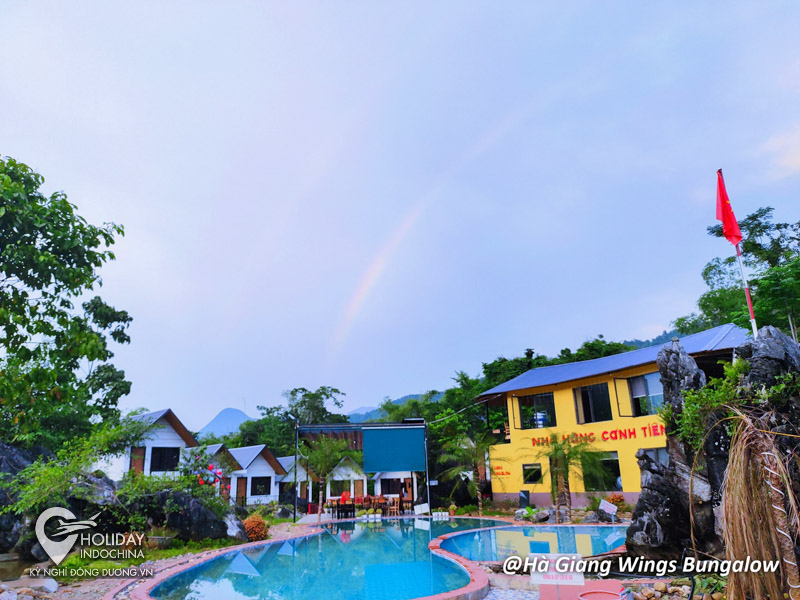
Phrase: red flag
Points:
(730, 228)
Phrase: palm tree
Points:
(324, 453)
(565, 454)
(469, 455)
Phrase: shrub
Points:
(256, 528)
(616, 499)
(465, 510)
(594, 503)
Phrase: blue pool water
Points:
(498, 544)
(350, 561)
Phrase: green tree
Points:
(323, 454)
(764, 244)
(565, 455)
(468, 455)
(310, 407)
(56, 375)
(46, 483)
(769, 250)
(274, 428)
(591, 349)
(777, 296)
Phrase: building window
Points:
(647, 395)
(391, 486)
(260, 486)
(659, 455)
(164, 459)
(592, 403)
(607, 479)
(532, 473)
(537, 411)
(338, 486)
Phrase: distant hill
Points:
(226, 422)
(665, 337)
(372, 413)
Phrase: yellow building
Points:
(612, 401)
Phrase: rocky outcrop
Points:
(12, 461)
(661, 519)
(190, 517)
(95, 494)
(772, 354)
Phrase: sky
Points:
(375, 195)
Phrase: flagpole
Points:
(747, 293)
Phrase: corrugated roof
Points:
(172, 420)
(719, 338)
(287, 462)
(151, 417)
(244, 456)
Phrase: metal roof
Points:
(151, 417)
(213, 448)
(247, 454)
(244, 456)
(174, 422)
(724, 337)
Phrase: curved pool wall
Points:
(497, 544)
(349, 560)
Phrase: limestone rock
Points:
(235, 527)
(772, 354)
(190, 518)
(282, 513)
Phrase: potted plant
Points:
(371, 514)
(378, 514)
(160, 537)
(452, 509)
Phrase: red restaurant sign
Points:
(609, 435)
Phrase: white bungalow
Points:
(304, 478)
(256, 482)
(223, 459)
(159, 454)
(346, 476)
(394, 484)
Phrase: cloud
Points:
(785, 148)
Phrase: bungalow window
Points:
(164, 459)
(391, 486)
(260, 486)
(537, 411)
(592, 403)
(647, 394)
(532, 473)
(608, 477)
(338, 486)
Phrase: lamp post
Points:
(296, 440)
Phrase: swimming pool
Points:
(498, 544)
(350, 560)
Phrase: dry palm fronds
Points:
(760, 513)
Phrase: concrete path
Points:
(312, 519)
(501, 594)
